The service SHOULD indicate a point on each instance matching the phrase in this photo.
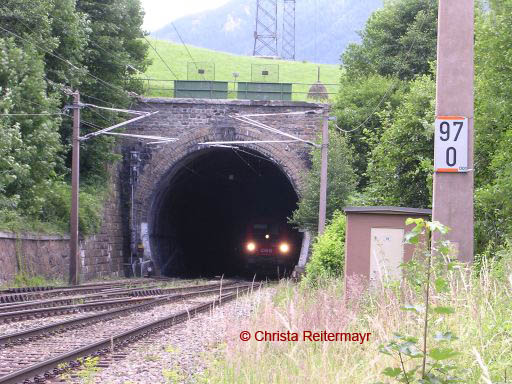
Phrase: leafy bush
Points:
(328, 258)
(54, 213)
(90, 207)
(341, 181)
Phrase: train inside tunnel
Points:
(224, 211)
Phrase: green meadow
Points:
(178, 59)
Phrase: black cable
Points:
(163, 61)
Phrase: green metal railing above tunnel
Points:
(238, 90)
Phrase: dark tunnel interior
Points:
(217, 202)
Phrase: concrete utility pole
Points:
(453, 186)
(74, 256)
(323, 173)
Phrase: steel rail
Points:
(28, 335)
(116, 293)
(50, 303)
(53, 366)
(94, 305)
(14, 297)
(65, 291)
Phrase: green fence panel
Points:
(200, 89)
(264, 91)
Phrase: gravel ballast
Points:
(178, 354)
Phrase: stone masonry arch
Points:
(195, 121)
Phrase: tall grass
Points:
(482, 322)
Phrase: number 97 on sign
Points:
(451, 144)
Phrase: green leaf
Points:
(442, 353)
(417, 222)
(444, 310)
(410, 350)
(412, 238)
(441, 285)
(391, 372)
(434, 226)
(446, 336)
(415, 308)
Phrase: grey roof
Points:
(389, 210)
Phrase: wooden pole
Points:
(74, 256)
(323, 173)
(453, 192)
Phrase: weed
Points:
(172, 350)
(89, 370)
(151, 357)
(173, 376)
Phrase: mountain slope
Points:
(323, 27)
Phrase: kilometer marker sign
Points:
(451, 144)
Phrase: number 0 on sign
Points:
(451, 144)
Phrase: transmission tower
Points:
(265, 35)
(288, 49)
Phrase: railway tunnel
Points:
(212, 204)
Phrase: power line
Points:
(185, 45)
(74, 66)
(163, 61)
(31, 114)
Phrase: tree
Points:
(115, 52)
(32, 148)
(401, 164)
(493, 126)
(398, 40)
(341, 182)
(357, 109)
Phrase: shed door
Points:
(386, 254)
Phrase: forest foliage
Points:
(47, 49)
(386, 109)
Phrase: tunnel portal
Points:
(212, 205)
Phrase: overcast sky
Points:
(162, 12)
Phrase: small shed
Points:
(374, 243)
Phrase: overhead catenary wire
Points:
(84, 70)
(103, 131)
(249, 142)
(268, 128)
(283, 113)
(185, 45)
(161, 58)
(32, 114)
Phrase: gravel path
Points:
(178, 354)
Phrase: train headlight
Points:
(251, 246)
(284, 247)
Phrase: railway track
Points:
(57, 307)
(35, 354)
(104, 295)
(17, 295)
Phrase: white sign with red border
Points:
(451, 144)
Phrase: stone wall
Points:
(33, 254)
(101, 255)
(195, 121)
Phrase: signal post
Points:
(453, 153)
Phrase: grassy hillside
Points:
(176, 56)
